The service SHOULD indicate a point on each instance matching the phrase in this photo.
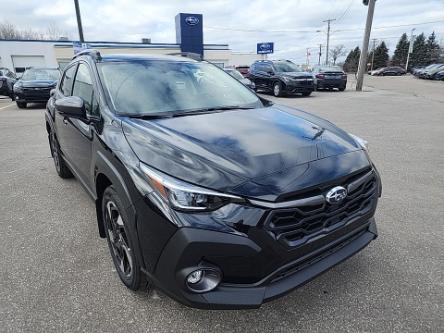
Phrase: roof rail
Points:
(191, 55)
(94, 53)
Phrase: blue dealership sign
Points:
(265, 48)
(79, 47)
(189, 33)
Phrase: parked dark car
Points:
(7, 80)
(418, 72)
(431, 72)
(238, 76)
(244, 70)
(329, 77)
(389, 71)
(281, 77)
(203, 189)
(35, 86)
(439, 75)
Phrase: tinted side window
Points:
(83, 88)
(268, 68)
(67, 81)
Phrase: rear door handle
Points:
(65, 121)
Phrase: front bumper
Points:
(331, 83)
(294, 87)
(33, 95)
(190, 245)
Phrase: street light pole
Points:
(308, 56)
(320, 54)
(410, 49)
(79, 21)
(328, 39)
(363, 59)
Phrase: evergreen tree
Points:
(401, 51)
(433, 49)
(381, 56)
(352, 61)
(419, 58)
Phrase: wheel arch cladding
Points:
(102, 182)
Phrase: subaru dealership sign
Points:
(79, 47)
(265, 48)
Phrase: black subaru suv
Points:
(281, 77)
(203, 189)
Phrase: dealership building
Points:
(18, 55)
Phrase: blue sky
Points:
(293, 25)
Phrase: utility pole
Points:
(373, 52)
(410, 49)
(363, 59)
(320, 54)
(328, 39)
(79, 21)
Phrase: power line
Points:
(393, 26)
(346, 11)
(317, 30)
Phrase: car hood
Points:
(259, 153)
(297, 74)
(37, 83)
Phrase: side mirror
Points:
(71, 106)
(52, 92)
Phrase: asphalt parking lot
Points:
(57, 274)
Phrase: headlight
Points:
(286, 79)
(363, 143)
(17, 88)
(180, 195)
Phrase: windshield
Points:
(286, 67)
(37, 74)
(153, 86)
(234, 73)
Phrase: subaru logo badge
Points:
(336, 195)
(191, 20)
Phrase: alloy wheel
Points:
(55, 153)
(277, 90)
(119, 240)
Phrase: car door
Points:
(262, 76)
(60, 120)
(268, 76)
(80, 132)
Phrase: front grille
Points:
(300, 265)
(295, 226)
(39, 93)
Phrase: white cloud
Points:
(129, 20)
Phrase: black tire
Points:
(306, 93)
(120, 242)
(341, 88)
(21, 105)
(59, 163)
(277, 89)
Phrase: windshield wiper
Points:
(209, 110)
(181, 113)
(156, 115)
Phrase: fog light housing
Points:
(203, 280)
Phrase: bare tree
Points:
(9, 31)
(54, 32)
(336, 52)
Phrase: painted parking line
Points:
(7, 106)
